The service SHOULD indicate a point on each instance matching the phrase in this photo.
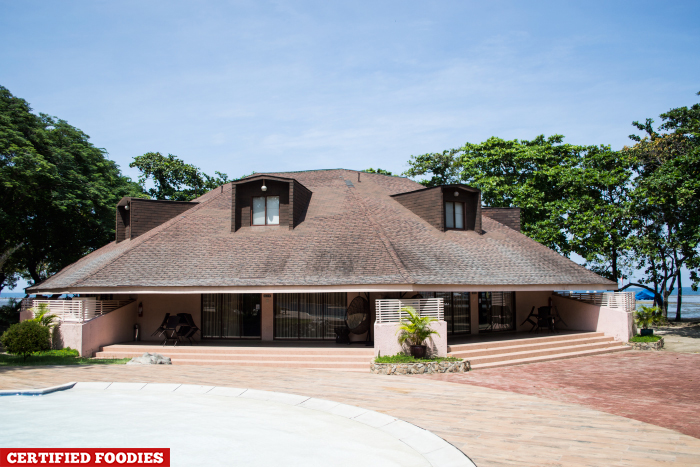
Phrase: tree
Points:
(173, 178)
(666, 202)
(377, 171)
(595, 210)
(57, 192)
(573, 198)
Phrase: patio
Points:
(495, 427)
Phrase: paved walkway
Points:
(662, 388)
(493, 427)
(681, 337)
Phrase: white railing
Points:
(76, 310)
(623, 300)
(390, 311)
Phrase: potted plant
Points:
(414, 330)
(645, 317)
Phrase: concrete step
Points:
(546, 358)
(330, 365)
(525, 346)
(233, 350)
(289, 356)
(500, 357)
(530, 340)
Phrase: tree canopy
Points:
(57, 192)
(377, 171)
(638, 208)
(173, 179)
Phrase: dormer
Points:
(445, 207)
(136, 216)
(265, 201)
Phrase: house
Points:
(279, 256)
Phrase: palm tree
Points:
(416, 328)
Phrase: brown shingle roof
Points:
(353, 234)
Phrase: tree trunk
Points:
(614, 265)
(680, 297)
(665, 304)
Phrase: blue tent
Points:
(644, 295)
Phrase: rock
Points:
(150, 359)
(419, 368)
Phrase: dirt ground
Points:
(681, 337)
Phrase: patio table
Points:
(176, 327)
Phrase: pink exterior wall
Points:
(69, 335)
(581, 316)
(25, 315)
(87, 338)
(386, 340)
(267, 318)
(114, 327)
(155, 306)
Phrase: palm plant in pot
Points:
(414, 331)
(645, 318)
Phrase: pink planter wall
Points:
(386, 340)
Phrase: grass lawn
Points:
(57, 357)
(645, 339)
(401, 358)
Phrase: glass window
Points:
(259, 210)
(273, 209)
(454, 215)
(459, 215)
(450, 215)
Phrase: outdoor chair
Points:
(557, 317)
(182, 332)
(161, 328)
(170, 330)
(193, 329)
(357, 318)
(545, 319)
(532, 319)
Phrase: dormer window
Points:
(266, 210)
(454, 215)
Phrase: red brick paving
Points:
(661, 388)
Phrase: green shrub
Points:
(645, 339)
(26, 338)
(67, 352)
(402, 358)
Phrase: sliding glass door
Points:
(457, 311)
(496, 311)
(309, 315)
(231, 316)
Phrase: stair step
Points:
(141, 349)
(330, 365)
(488, 358)
(531, 347)
(546, 358)
(526, 341)
(247, 357)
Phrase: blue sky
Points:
(267, 86)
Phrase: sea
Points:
(690, 306)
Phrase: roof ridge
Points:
(403, 272)
(323, 170)
(149, 235)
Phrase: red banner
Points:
(85, 457)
